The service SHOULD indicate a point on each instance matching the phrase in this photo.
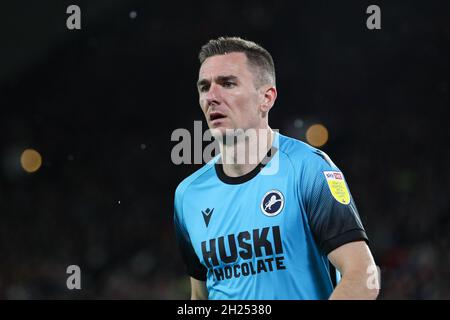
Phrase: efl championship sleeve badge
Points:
(337, 186)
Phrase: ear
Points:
(269, 95)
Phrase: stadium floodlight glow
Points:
(30, 160)
(317, 135)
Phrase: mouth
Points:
(216, 116)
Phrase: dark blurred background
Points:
(99, 105)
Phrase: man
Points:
(275, 228)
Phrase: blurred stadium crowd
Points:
(100, 105)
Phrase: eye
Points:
(204, 88)
(228, 84)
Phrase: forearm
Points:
(196, 296)
(354, 287)
(198, 290)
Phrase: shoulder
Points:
(198, 176)
(304, 155)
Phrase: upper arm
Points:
(360, 276)
(193, 265)
(352, 257)
(330, 208)
(198, 290)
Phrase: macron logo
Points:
(207, 215)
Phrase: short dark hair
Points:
(259, 59)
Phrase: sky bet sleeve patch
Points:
(337, 186)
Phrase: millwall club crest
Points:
(272, 203)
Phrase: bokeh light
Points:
(317, 135)
(30, 160)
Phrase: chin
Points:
(218, 132)
(221, 132)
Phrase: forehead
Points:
(234, 63)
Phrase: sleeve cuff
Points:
(341, 239)
(201, 276)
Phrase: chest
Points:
(260, 217)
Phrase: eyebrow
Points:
(202, 82)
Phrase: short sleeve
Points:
(193, 266)
(333, 217)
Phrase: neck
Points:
(245, 152)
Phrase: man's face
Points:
(227, 93)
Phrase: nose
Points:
(212, 97)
